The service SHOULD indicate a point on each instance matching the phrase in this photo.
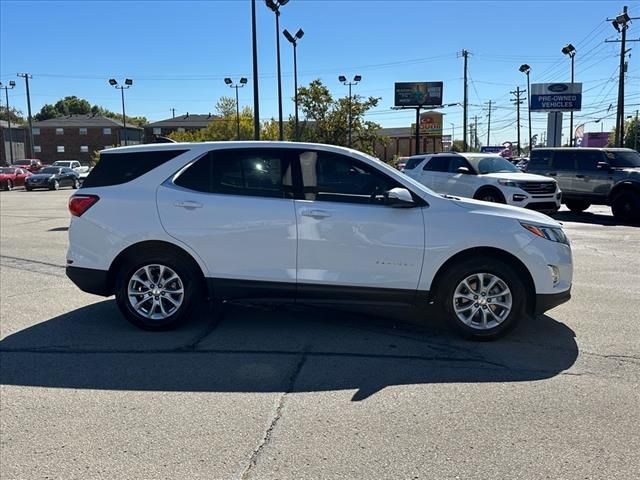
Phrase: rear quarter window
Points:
(118, 168)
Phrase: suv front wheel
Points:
(625, 206)
(577, 206)
(157, 293)
(482, 299)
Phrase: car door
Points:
(234, 208)
(436, 173)
(591, 181)
(350, 242)
(20, 176)
(463, 184)
(563, 169)
(67, 177)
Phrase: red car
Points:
(30, 164)
(12, 177)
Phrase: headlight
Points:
(550, 233)
(508, 183)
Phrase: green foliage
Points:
(458, 146)
(13, 113)
(94, 159)
(73, 105)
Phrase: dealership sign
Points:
(418, 94)
(556, 97)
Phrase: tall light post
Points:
(242, 83)
(569, 50)
(127, 84)
(356, 80)
(294, 41)
(254, 48)
(275, 5)
(11, 85)
(526, 69)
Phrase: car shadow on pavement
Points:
(591, 218)
(285, 349)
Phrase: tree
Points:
(72, 105)
(458, 146)
(13, 114)
(631, 130)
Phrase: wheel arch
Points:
(624, 185)
(492, 252)
(488, 188)
(145, 248)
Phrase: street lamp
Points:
(570, 50)
(294, 41)
(127, 84)
(275, 5)
(356, 80)
(11, 85)
(240, 84)
(526, 69)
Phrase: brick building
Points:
(401, 142)
(76, 137)
(182, 123)
(9, 141)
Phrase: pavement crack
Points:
(266, 439)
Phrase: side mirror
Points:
(603, 166)
(400, 198)
(463, 170)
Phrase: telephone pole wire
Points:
(26, 77)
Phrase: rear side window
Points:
(118, 168)
(413, 162)
(540, 160)
(437, 164)
(564, 160)
(254, 172)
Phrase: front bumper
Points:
(90, 280)
(549, 202)
(547, 301)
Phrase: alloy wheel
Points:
(155, 292)
(482, 301)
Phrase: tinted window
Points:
(255, 172)
(486, 165)
(118, 168)
(457, 162)
(66, 170)
(50, 170)
(413, 162)
(335, 178)
(437, 164)
(540, 160)
(564, 160)
(588, 159)
(622, 159)
(8, 170)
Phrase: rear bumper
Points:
(90, 280)
(548, 301)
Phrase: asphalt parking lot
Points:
(296, 392)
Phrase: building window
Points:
(37, 149)
(157, 131)
(83, 131)
(60, 149)
(59, 131)
(84, 148)
(106, 131)
(36, 131)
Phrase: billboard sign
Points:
(556, 97)
(418, 94)
(430, 125)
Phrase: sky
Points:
(179, 52)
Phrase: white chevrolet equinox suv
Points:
(166, 226)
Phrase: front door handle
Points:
(315, 213)
(188, 204)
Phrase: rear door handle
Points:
(188, 204)
(315, 213)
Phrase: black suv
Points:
(600, 176)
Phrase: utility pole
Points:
(621, 24)
(518, 102)
(475, 132)
(489, 126)
(6, 88)
(256, 102)
(26, 77)
(465, 54)
(173, 113)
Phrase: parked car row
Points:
(32, 174)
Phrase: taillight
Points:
(78, 204)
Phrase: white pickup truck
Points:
(75, 165)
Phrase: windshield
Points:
(624, 159)
(7, 170)
(62, 164)
(485, 165)
(50, 170)
(22, 162)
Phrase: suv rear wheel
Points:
(625, 206)
(157, 292)
(482, 298)
(577, 205)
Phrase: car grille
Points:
(538, 188)
(543, 206)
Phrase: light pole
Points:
(127, 84)
(356, 80)
(242, 83)
(526, 69)
(294, 41)
(275, 5)
(256, 99)
(11, 85)
(569, 50)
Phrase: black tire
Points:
(191, 281)
(577, 206)
(76, 184)
(625, 206)
(490, 195)
(506, 274)
(9, 186)
(55, 185)
(28, 189)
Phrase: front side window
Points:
(437, 164)
(335, 178)
(456, 162)
(254, 172)
(588, 160)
